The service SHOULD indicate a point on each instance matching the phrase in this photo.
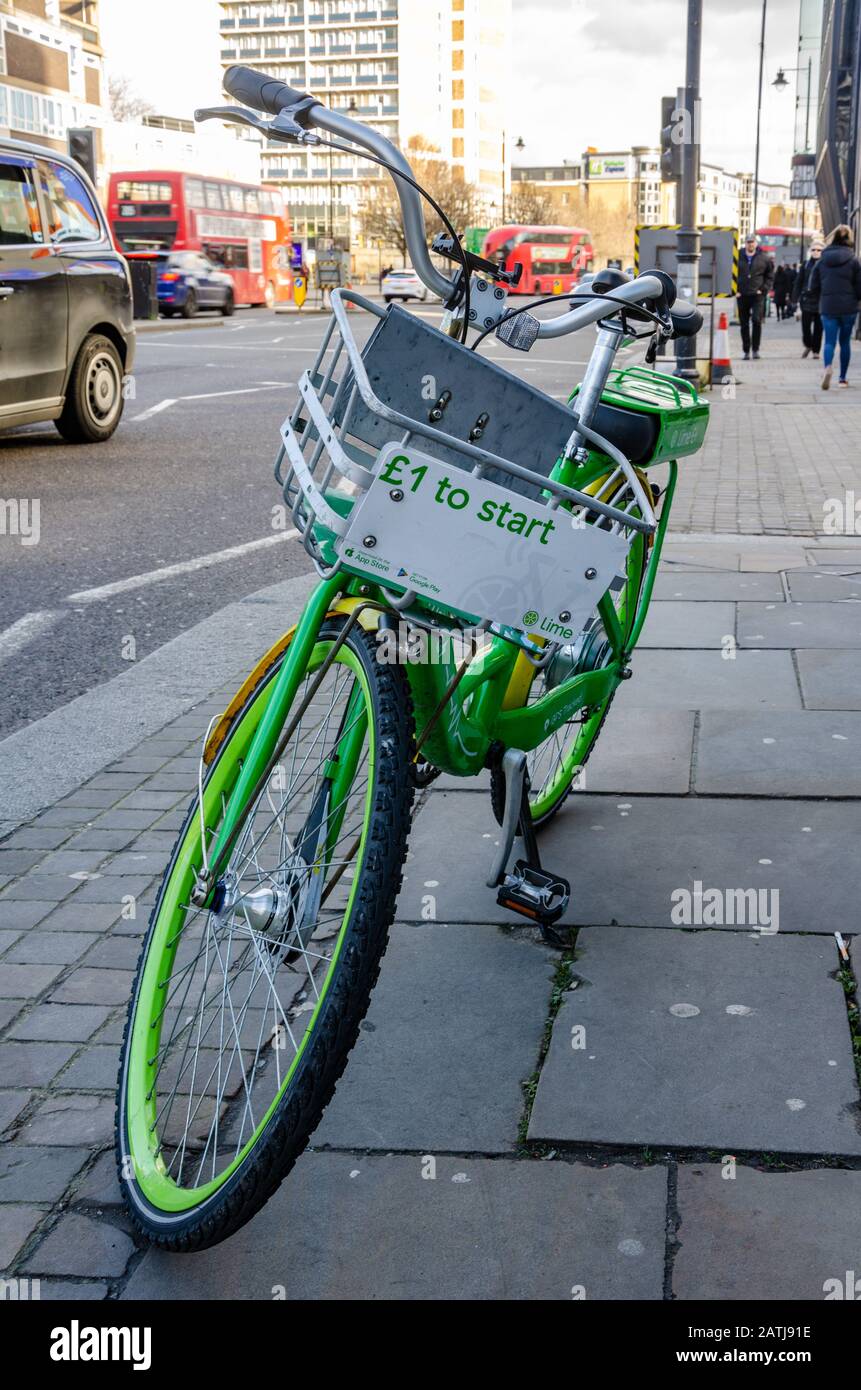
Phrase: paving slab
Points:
(344, 1227)
(638, 751)
(830, 679)
(830, 625)
(627, 856)
(29, 1174)
(781, 753)
(767, 1236)
(454, 1027)
(695, 1040)
(709, 680)
(806, 586)
(677, 624)
(81, 1245)
(16, 1226)
(727, 586)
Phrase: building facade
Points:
(838, 163)
(51, 69)
(612, 192)
(436, 70)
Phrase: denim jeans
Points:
(838, 325)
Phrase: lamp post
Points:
(689, 237)
(752, 228)
(780, 83)
(519, 146)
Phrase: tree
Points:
(528, 206)
(380, 215)
(123, 100)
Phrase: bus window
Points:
(194, 193)
(252, 203)
(213, 197)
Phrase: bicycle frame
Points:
(488, 706)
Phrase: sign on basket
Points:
(479, 549)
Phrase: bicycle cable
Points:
(555, 299)
(362, 153)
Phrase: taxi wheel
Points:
(94, 396)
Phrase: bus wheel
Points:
(270, 295)
(228, 308)
(189, 308)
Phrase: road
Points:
(187, 476)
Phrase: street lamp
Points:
(519, 146)
(780, 83)
(752, 228)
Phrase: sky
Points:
(589, 72)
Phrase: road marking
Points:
(246, 391)
(153, 410)
(206, 396)
(201, 562)
(27, 629)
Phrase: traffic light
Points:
(671, 140)
(82, 147)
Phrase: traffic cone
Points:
(721, 364)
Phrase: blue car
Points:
(188, 281)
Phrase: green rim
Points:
(578, 750)
(150, 1170)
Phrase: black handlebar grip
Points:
(262, 93)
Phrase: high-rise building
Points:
(436, 70)
(51, 71)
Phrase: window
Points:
(20, 224)
(213, 197)
(194, 193)
(70, 207)
(135, 191)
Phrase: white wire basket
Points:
(416, 395)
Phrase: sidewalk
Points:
(673, 1112)
(778, 446)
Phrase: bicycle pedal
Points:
(535, 894)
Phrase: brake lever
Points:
(283, 127)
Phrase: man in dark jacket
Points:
(808, 301)
(837, 279)
(755, 279)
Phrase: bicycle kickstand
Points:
(528, 889)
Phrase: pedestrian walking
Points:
(808, 301)
(837, 279)
(781, 291)
(755, 279)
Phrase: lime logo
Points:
(349, 552)
(530, 618)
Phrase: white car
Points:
(403, 284)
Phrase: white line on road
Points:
(26, 629)
(153, 410)
(142, 581)
(207, 396)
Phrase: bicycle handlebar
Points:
(262, 93)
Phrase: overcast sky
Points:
(589, 72)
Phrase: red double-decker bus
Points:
(554, 259)
(241, 227)
(783, 244)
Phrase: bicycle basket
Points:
(366, 462)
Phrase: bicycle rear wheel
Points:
(555, 765)
(243, 1015)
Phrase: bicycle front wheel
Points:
(243, 1015)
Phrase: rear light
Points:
(171, 275)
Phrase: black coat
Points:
(837, 280)
(756, 278)
(803, 292)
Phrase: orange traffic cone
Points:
(721, 364)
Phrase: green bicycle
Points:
(452, 509)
